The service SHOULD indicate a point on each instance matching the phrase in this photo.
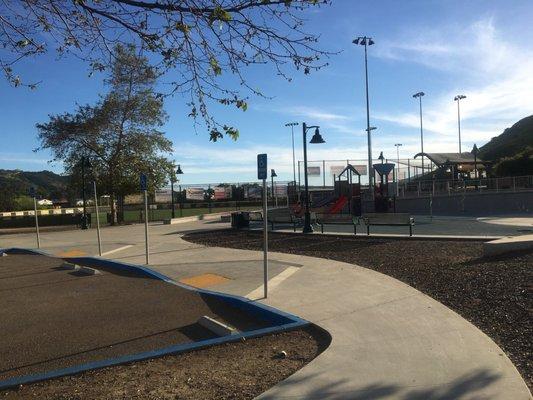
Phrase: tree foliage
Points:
(119, 135)
(198, 40)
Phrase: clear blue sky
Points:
(479, 48)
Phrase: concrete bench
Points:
(389, 219)
(337, 219)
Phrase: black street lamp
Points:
(367, 41)
(272, 176)
(419, 96)
(172, 180)
(316, 139)
(85, 164)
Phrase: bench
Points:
(389, 219)
(283, 216)
(337, 219)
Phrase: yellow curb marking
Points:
(204, 280)
(72, 253)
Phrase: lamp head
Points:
(317, 138)
(179, 171)
(355, 41)
(273, 173)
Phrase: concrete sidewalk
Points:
(389, 340)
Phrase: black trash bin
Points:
(239, 220)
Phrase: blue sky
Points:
(479, 48)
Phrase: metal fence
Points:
(451, 187)
(322, 172)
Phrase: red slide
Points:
(339, 205)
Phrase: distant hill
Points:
(512, 141)
(46, 183)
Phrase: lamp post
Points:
(85, 163)
(367, 41)
(398, 145)
(292, 125)
(172, 180)
(316, 139)
(458, 99)
(272, 176)
(419, 96)
(371, 174)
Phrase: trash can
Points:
(238, 220)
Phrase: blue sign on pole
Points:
(144, 182)
(261, 166)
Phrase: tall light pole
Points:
(367, 41)
(371, 174)
(292, 125)
(419, 95)
(398, 145)
(458, 99)
(316, 139)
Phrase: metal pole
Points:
(398, 171)
(36, 223)
(307, 218)
(324, 173)
(459, 122)
(97, 220)
(146, 225)
(84, 217)
(293, 156)
(265, 240)
(181, 202)
(421, 134)
(172, 195)
(369, 138)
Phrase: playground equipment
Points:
(383, 201)
(345, 198)
(348, 191)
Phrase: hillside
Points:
(512, 141)
(46, 183)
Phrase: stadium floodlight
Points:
(419, 96)
(458, 99)
(367, 41)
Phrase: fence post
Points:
(514, 184)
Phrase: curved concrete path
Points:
(389, 340)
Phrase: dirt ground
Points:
(54, 318)
(494, 293)
(236, 371)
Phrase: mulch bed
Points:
(494, 293)
(236, 371)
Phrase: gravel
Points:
(495, 294)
